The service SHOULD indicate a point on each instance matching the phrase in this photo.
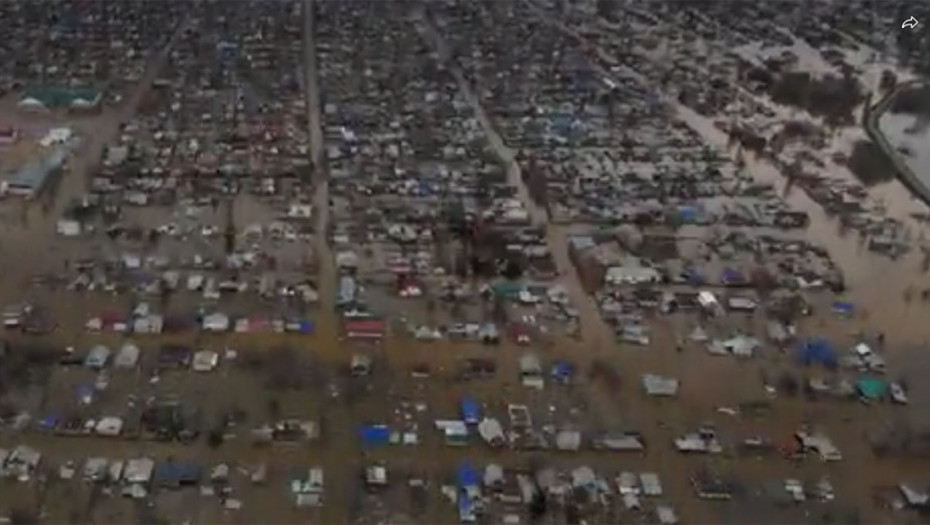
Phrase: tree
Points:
(274, 408)
(500, 310)
(537, 507)
(215, 438)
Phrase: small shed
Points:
(205, 361)
(651, 484)
(110, 426)
(492, 432)
(127, 357)
(375, 435)
(97, 357)
(871, 388)
(376, 476)
(656, 385)
(531, 372)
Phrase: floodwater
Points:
(874, 281)
(910, 136)
(706, 384)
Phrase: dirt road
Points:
(320, 183)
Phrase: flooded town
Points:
(465, 261)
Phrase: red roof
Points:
(365, 326)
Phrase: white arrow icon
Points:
(910, 23)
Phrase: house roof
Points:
(34, 174)
(365, 326)
(178, 472)
(62, 96)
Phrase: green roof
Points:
(507, 288)
(61, 96)
(870, 387)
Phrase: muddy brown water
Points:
(707, 383)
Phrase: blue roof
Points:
(375, 435)
(687, 213)
(465, 505)
(816, 351)
(730, 275)
(471, 412)
(563, 370)
(466, 475)
(843, 307)
(178, 471)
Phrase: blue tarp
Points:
(375, 435)
(470, 411)
(843, 308)
(563, 371)
(816, 351)
(466, 475)
(306, 327)
(687, 214)
(423, 189)
(730, 275)
(466, 506)
(175, 472)
(693, 276)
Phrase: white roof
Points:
(139, 470)
(490, 429)
(651, 484)
(205, 360)
(493, 474)
(127, 357)
(109, 426)
(707, 298)
(568, 440)
(660, 386)
(530, 363)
